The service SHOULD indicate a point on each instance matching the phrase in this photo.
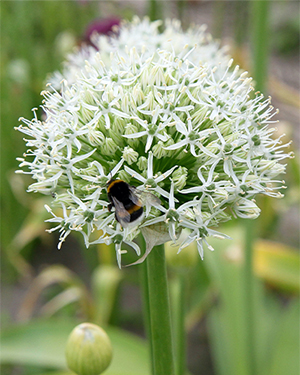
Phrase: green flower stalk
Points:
(166, 112)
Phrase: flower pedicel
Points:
(168, 114)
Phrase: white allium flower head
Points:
(168, 113)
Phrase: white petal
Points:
(165, 174)
(177, 145)
(134, 174)
(135, 135)
(117, 167)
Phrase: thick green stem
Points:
(249, 300)
(161, 335)
(143, 274)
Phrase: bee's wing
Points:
(151, 199)
(146, 197)
(121, 213)
(134, 196)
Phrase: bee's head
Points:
(109, 182)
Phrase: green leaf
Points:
(276, 325)
(287, 343)
(71, 283)
(226, 320)
(42, 343)
(277, 264)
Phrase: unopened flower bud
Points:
(246, 209)
(131, 129)
(95, 137)
(88, 350)
(159, 151)
(109, 147)
(117, 137)
(124, 176)
(129, 155)
(179, 177)
(142, 163)
(118, 125)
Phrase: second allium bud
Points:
(88, 350)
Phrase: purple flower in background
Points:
(101, 26)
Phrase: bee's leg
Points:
(109, 207)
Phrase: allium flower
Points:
(167, 113)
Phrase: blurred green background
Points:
(46, 292)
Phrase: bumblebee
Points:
(128, 201)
